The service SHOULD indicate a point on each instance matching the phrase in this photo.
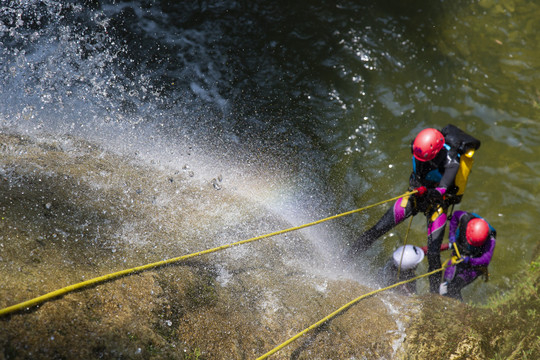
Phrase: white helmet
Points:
(408, 256)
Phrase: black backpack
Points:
(465, 145)
(459, 139)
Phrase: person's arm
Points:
(413, 179)
(449, 175)
(485, 258)
(454, 223)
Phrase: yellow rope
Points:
(100, 279)
(344, 307)
(457, 251)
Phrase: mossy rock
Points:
(505, 328)
(69, 215)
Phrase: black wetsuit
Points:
(438, 176)
(389, 275)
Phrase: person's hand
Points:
(421, 190)
(452, 240)
(435, 196)
(466, 259)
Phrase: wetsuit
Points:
(476, 258)
(389, 276)
(438, 176)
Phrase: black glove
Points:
(434, 196)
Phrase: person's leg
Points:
(395, 215)
(455, 286)
(435, 231)
(463, 276)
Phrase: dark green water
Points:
(330, 93)
(474, 65)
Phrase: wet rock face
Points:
(71, 212)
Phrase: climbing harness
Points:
(436, 213)
(346, 306)
(54, 294)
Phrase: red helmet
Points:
(427, 144)
(477, 232)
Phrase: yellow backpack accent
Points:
(465, 164)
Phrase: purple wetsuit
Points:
(479, 257)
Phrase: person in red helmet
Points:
(435, 164)
(474, 238)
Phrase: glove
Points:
(435, 196)
(466, 259)
(452, 240)
(443, 288)
(421, 190)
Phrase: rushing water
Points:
(318, 99)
